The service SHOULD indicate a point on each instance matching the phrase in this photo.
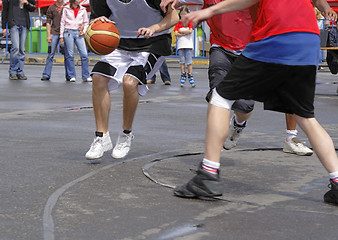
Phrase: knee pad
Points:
(219, 101)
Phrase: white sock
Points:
(210, 166)
(291, 134)
(239, 123)
(334, 176)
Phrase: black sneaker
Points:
(332, 195)
(204, 184)
(21, 77)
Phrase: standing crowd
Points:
(66, 25)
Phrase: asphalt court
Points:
(49, 191)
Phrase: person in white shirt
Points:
(74, 23)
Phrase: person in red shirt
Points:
(278, 67)
(185, 46)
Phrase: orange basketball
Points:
(102, 37)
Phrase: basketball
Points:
(102, 37)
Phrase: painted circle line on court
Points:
(48, 222)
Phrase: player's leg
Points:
(101, 102)
(320, 141)
(242, 112)
(101, 105)
(130, 102)
(298, 92)
(323, 146)
(206, 182)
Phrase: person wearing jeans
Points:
(53, 36)
(165, 76)
(74, 23)
(70, 37)
(55, 39)
(16, 15)
(17, 53)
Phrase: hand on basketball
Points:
(102, 19)
(146, 32)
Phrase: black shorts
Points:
(282, 88)
(220, 63)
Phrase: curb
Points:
(92, 60)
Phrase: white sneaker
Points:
(233, 135)
(99, 146)
(122, 146)
(295, 146)
(89, 79)
(72, 80)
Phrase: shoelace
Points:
(96, 143)
(126, 138)
(238, 130)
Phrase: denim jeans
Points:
(70, 37)
(17, 54)
(49, 61)
(164, 73)
(185, 56)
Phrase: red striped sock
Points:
(334, 176)
(210, 166)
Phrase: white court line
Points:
(48, 222)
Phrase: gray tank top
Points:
(129, 19)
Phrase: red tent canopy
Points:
(46, 3)
(333, 4)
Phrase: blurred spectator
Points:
(53, 36)
(165, 76)
(16, 15)
(74, 23)
(184, 46)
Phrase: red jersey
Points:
(229, 30)
(274, 17)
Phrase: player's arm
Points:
(219, 8)
(172, 4)
(165, 4)
(325, 9)
(171, 18)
